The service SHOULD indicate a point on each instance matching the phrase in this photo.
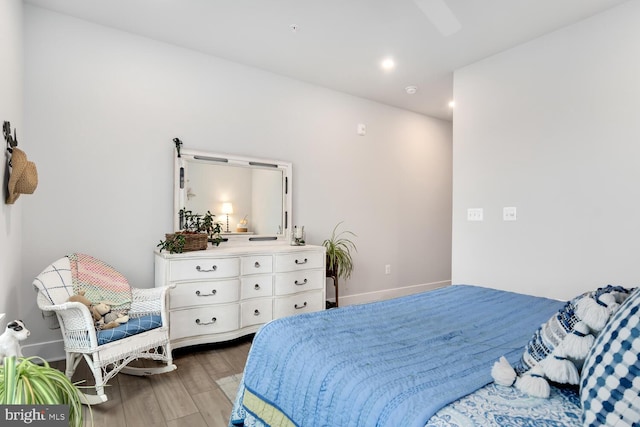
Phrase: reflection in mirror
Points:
(248, 196)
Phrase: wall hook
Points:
(178, 145)
(12, 141)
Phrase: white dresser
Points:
(229, 291)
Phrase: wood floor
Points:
(186, 397)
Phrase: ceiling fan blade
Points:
(440, 16)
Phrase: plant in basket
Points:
(195, 231)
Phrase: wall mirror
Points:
(235, 188)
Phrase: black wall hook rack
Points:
(12, 141)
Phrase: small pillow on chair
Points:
(132, 327)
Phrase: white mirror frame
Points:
(180, 193)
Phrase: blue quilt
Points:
(391, 363)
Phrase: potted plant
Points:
(23, 382)
(339, 261)
(195, 231)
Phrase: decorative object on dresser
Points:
(297, 237)
(227, 209)
(339, 261)
(228, 292)
(243, 226)
(196, 231)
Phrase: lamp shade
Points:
(227, 208)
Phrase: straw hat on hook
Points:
(24, 176)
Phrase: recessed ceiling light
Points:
(411, 90)
(452, 104)
(388, 64)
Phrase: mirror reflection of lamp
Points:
(227, 208)
(190, 193)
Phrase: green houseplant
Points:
(23, 382)
(339, 257)
(196, 230)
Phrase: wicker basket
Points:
(192, 241)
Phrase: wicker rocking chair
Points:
(107, 352)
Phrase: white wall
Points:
(551, 127)
(11, 110)
(102, 107)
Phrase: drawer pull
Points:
(299, 307)
(256, 312)
(213, 268)
(213, 320)
(213, 292)
(301, 262)
(257, 264)
(256, 287)
(304, 282)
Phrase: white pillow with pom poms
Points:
(559, 347)
(573, 329)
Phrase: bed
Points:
(421, 360)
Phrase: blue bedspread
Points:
(390, 363)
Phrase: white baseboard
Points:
(390, 293)
(48, 350)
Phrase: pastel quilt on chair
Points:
(100, 281)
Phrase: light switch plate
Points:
(475, 214)
(509, 214)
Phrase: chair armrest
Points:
(149, 301)
(76, 323)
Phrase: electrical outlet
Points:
(387, 269)
(475, 214)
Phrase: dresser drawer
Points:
(295, 304)
(201, 293)
(299, 281)
(204, 320)
(204, 268)
(256, 286)
(256, 312)
(299, 261)
(258, 264)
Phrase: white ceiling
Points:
(339, 44)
